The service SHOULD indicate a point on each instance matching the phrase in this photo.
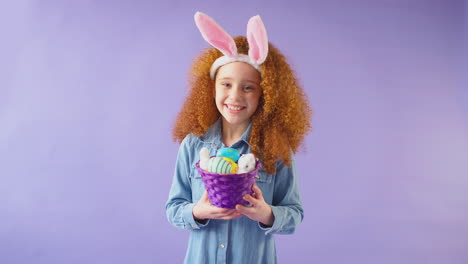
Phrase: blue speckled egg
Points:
(230, 153)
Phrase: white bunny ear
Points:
(258, 39)
(215, 35)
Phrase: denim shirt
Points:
(239, 240)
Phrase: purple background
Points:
(89, 91)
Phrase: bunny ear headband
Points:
(218, 38)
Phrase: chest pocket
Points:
(263, 177)
(265, 183)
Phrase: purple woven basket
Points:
(227, 190)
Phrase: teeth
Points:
(235, 108)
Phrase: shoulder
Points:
(190, 145)
(211, 134)
(191, 139)
(189, 151)
(188, 140)
(283, 170)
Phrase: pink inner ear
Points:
(215, 35)
(254, 50)
(258, 40)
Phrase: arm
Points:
(287, 206)
(179, 205)
(180, 209)
(286, 211)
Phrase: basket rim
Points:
(257, 167)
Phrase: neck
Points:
(232, 133)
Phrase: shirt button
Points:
(222, 245)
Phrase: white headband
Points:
(218, 38)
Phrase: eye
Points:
(249, 88)
(225, 84)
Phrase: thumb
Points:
(205, 197)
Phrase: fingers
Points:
(213, 212)
(224, 213)
(205, 210)
(221, 211)
(244, 210)
(259, 211)
(257, 191)
(256, 198)
(232, 215)
(249, 198)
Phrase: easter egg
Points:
(230, 153)
(234, 166)
(219, 165)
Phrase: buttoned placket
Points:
(223, 242)
(223, 235)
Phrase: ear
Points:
(215, 35)
(258, 39)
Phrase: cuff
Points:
(276, 223)
(190, 220)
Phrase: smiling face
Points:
(237, 92)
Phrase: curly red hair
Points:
(281, 120)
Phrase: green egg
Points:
(219, 165)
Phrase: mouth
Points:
(234, 108)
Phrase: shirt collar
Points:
(214, 133)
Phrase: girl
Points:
(243, 95)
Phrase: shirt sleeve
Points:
(179, 205)
(286, 204)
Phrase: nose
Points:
(235, 91)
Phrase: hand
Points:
(259, 211)
(205, 210)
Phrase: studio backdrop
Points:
(89, 92)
